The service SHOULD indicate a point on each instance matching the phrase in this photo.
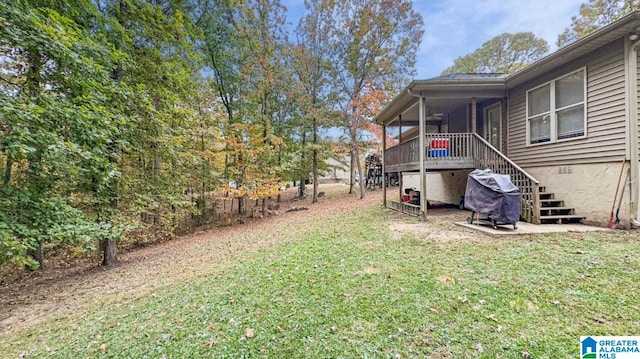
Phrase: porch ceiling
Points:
(410, 117)
(442, 95)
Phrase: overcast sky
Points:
(454, 28)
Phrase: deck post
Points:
(400, 184)
(384, 172)
(536, 204)
(422, 148)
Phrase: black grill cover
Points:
(494, 195)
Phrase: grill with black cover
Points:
(494, 195)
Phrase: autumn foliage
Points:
(128, 117)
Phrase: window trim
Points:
(553, 110)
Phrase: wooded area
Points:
(125, 116)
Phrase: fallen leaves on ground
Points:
(368, 271)
(445, 279)
(492, 317)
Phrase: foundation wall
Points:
(589, 188)
(442, 186)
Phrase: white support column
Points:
(400, 182)
(422, 148)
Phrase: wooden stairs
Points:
(553, 210)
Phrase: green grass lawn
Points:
(345, 289)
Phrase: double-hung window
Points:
(556, 110)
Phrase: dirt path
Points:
(39, 296)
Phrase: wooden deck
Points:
(449, 151)
(442, 152)
(435, 165)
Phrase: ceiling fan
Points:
(434, 116)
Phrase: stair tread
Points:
(548, 204)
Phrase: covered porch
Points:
(450, 123)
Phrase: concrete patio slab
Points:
(528, 228)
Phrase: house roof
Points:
(462, 77)
(458, 88)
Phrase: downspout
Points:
(632, 132)
(421, 148)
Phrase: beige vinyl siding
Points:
(505, 126)
(458, 120)
(479, 121)
(516, 125)
(605, 140)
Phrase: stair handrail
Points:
(530, 209)
(509, 161)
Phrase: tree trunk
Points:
(224, 204)
(7, 170)
(109, 251)
(109, 246)
(355, 150)
(264, 207)
(279, 164)
(174, 218)
(156, 177)
(352, 170)
(36, 254)
(205, 168)
(315, 161)
(34, 80)
(302, 189)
